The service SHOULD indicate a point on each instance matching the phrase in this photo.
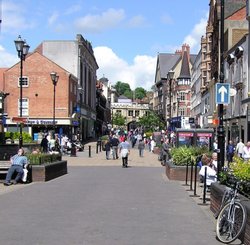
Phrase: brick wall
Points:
(40, 91)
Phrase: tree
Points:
(122, 87)
(118, 119)
(140, 93)
(128, 94)
(151, 121)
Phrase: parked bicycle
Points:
(231, 217)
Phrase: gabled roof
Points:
(167, 62)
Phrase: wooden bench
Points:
(4, 166)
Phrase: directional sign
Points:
(222, 92)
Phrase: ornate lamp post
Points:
(170, 77)
(178, 105)
(22, 49)
(54, 78)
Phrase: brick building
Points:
(38, 94)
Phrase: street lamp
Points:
(22, 49)
(170, 77)
(178, 104)
(54, 78)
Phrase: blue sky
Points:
(126, 35)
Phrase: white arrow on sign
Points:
(222, 90)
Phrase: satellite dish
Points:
(232, 92)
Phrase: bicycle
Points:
(231, 217)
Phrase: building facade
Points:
(77, 57)
(172, 95)
(37, 98)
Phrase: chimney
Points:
(186, 48)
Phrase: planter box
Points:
(175, 172)
(48, 171)
(216, 195)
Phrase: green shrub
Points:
(239, 170)
(183, 155)
(15, 136)
(42, 158)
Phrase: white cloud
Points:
(139, 74)
(13, 18)
(194, 38)
(98, 23)
(7, 59)
(53, 18)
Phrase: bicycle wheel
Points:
(231, 222)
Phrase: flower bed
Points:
(175, 172)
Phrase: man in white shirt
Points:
(246, 151)
(240, 148)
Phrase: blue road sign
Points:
(222, 92)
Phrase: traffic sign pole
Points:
(220, 128)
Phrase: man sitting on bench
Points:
(18, 163)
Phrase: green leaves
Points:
(183, 155)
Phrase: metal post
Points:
(186, 174)
(89, 150)
(191, 176)
(54, 108)
(205, 186)
(170, 95)
(21, 100)
(220, 128)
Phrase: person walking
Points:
(240, 148)
(107, 149)
(246, 151)
(141, 147)
(124, 149)
(230, 151)
(44, 144)
(165, 151)
(18, 163)
(114, 141)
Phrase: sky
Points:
(126, 36)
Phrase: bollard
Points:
(97, 148)
(99, 142)
(186, 174)
(191, 176)
(73, 151)
(195, 181)
(89, 150)
(205, 186)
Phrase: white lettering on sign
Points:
(41, 122)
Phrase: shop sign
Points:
(41, 122)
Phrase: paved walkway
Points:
(52, 211)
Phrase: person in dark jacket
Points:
(114, 144)
(230, 151)
(45, 144)
(107, 147)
